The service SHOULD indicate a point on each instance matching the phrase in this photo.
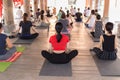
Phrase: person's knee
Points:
(75, 52)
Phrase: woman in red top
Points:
(59, 48)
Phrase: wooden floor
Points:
(28, 66)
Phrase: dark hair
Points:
(42, 14)
(38, 9)
(92, 12)
(98, 17)
(96, 10)
(19, 7)
(78, 9)
(25, 15)
(88, 8)
(63, 15)
(0, 25)
(68, 13)
(58, 28)
(109, 27)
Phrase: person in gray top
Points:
(98, 31)
(65, 23)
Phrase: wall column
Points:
(96, 4)
(90, 4)
(87, 3)
(35, 6)
(106, 8)
(26, 5)
(43, 5)
(8, 12)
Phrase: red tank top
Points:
(61, 45)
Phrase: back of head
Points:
(19, 7)
(0, 25)
(92, 12)
(78, 9)
(98, 17)
(67, 13)
(42, 14)
(96, 10)
(38, 9)
(88, 8)
(58, 28)
(25, 15)
(63, 16)
(109, 27)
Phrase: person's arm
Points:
(88, 19)
(67, 48)
(20, 24)
(8, 43)
(50, 48)
(101, 41)
(47, 19)
(34, 30)
(115, 42)
(93, 28)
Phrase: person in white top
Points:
(19, 13)
(72, 11)
(88, 12)
(91, 20)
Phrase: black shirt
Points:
(78, 15)
(109, 43)
(25, 27)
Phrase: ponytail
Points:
(59, 37)
(58, 28)
(42, 14)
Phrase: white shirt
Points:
(19, 13)
(92, 21)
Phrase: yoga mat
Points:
(49, 69)
(15, 55)
(107, 67)
(4, 66)
(96, 39)
(20, 48)
(20, 41)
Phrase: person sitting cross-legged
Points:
(6, 47)
(26, 26)
(108, 43)
(59, 53)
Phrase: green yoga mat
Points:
(4, 66)
(20, 48)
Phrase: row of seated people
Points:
(95, 23)
(59, 53)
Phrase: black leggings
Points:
(105, 55)
(32, 36)
(61, 58)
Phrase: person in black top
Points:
(26, 27)
(38, 13)
(78, 16)
(48, 13)
(108, 44)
